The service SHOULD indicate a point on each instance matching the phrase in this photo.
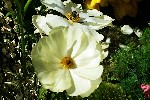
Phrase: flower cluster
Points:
(69, 57)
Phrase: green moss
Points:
(131, 66)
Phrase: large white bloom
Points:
(68, 59)
(73, 15)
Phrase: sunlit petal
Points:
(94, 85)
(56, 80)
(58, 42)
(40, 23)
(56, 21)
(79, 85)
(54, 4)
(92, 73)
(92, 59)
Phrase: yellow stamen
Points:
(73, 16)
(67, 62)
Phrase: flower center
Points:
(73, 16)
(67, 62)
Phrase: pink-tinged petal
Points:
(146, 89)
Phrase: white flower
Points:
(126, 29)
(73, 15)
(69, 61)
(138, 32)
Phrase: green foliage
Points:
(106, 91)
(131, 66)
(109, 91)
(42, 94)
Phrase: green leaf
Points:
(42, 94)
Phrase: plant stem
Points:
(27, 5)
(20, 22)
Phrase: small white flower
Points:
(138, 32)
(69, 61)
(126, 29)
(73, 15)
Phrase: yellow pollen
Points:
(67, 62)
(73, 16)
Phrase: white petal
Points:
(105, 44)
(98, 37)
(57, 42)
(70, 6)
(89, 58)
(138, 33)
(56, 21)
(53, 46)
(93, 25)
(101, 21)
(37, 31)
(73, 40)
(43, 58)
(54, 4)
(90, 13)
(80, 25)
(41, 64)
(79, 85)
(94, 12)
(83, 15)
(56, 81)
(41, 49)
(94, 85)
(89, 73)
(40, 23)
(108, 40)
(103, 54)
(126, 29)
(87, 41)
(81, 39)
(80, 46)
(96, 22)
